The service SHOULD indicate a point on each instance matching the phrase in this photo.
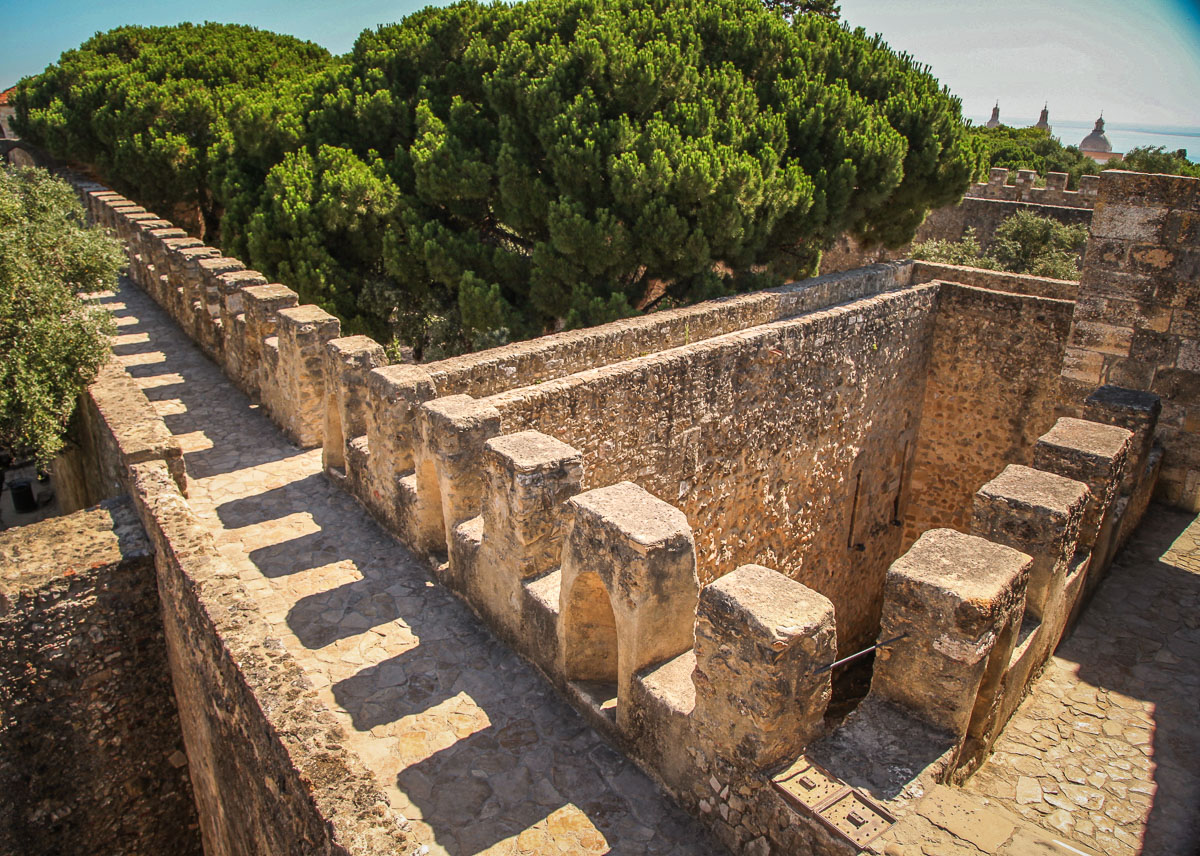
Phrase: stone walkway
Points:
(466, 739)
(1106, 750)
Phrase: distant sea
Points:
(1122, 137)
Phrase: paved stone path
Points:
(1106, 750)
(466, 739)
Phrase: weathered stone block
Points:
(1148, 190)
(1127, 222)
(1089, 452)
(1130, 373)
(629, 587)
(760, 640)
(1154, 348)
(1132, 409)
(1083, 365)
(528, 478)
(1038, 513)
(952, 595)
(529, 475)
(449, 465)
(230, 285)
(349, 360)
(396, 393)
(262, 303)
(299, 401)
(1101, 338)
(1056, 181)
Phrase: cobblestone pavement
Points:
(467, 740)
(1106, 750)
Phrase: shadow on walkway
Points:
(483, 754)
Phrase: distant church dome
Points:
(1096, 141)
(994, 122)
(1043, 122)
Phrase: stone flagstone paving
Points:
(1106, 750)
(466, 739)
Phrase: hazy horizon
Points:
(1138, 63)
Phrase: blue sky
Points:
(1137, 60)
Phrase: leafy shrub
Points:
(1027, 243)
(1156, 159)
(1023, 243)
(53, 343)
(965, 251)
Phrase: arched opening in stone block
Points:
(590, 642)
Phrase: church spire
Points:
(994, 122)
(1043, 122)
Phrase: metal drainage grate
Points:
(843, 810)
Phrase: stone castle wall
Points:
(269, 768)
(820, 490)
(114, 423)
(784, 444)
(977, 419)
(91, 756)
(569, 506)
(1024, 188)
(1137, 321)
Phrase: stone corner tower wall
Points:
(1137, 319)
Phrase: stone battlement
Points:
(1024, 188)
(683, 519)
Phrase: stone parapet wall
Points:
(91, 756)
(274, 349)
(269, 766)
(1025, 188)
(114, 424)
(785, 442)
(996, 280)
(714, 689)
(562, 354)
